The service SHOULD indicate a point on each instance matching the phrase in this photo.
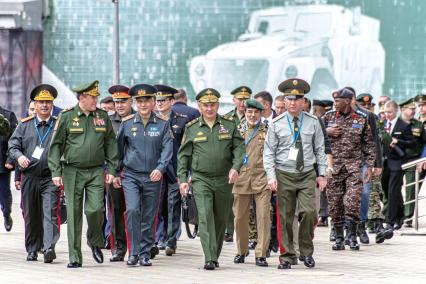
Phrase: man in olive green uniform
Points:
(294, 143)
(240, 95)
(4, 126)
(252, 184)
(408, 110)
(84, 137)
(212, 149)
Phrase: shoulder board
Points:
(160, 117)
(361, 113)
(181, 115)
(67, 109)
(227, 117)
(54, 117)
(310, 115)
(278, 118)
(330, 111)
(27, 118)
(127, 118)
(192, 122)
(99, 109)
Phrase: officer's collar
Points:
(291, 116)
(152, 118)
(218, 120)
(80, 112)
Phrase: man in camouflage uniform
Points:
(408, 110)
(241, 94)
(352, 143)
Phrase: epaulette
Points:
(27, 118)
(192, 122)
(67, 109)
(160, 117)
(227, 117)
(278, 117)
(330, 111)
(310, 115)
(54, 117)
(180, 115)
(361, 113)
(99, 109)
(127, 117)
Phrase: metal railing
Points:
(417, 184)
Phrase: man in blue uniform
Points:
(145, 147)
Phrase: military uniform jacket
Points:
(4, 126)
(419, 135)
(116, 120)
(24, 141)
(356, 144)
(83, 141)
(11, 117)
(210, 152)
(142, 149)
(177, 125)
(252, 177)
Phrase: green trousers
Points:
(88, 185)
(230, 220)
(213, 199)
(296, 188)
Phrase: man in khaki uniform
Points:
(252, 184)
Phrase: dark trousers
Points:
(40, 206)
(142, 198)
(391, 184)
(5, 194)
(117, 207)
(161, 226)
(174, 212)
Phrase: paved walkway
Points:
(400, 260)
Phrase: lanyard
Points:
(291, 128)
(252, 135)
(42, 139)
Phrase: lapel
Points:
(397, 125)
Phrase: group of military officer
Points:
(240, 165)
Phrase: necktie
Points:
(299, 160)
(389, 127)
(266, 122)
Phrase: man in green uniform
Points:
(241, 94)
(408, 110)
(84, 137)
(212, 149)
(294, 143)
(4, 126)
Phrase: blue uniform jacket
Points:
(144, 149)
(185, 110)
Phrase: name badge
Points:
(292, 154)
(356, 125)
(38, 151)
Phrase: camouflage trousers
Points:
(375, 205)
(344, 190)
(252, 225)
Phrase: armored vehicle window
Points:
(316, 24)
(272, 24)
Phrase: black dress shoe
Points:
(284, 265)
(252, 245)
(74, 265)
(170, 251)
(228, 238)
(49, 255)
(154, 251)
(309, 261)
(162, 245)
(116, 257)
(216, 264)
(239, 258)
(97, 254)
(145, 262)
(209, 265)
(261, 261)
(133, 260)
(8, 223)
(32, 256)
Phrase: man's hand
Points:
(155, 175)
(273, 185)
(393, 143)
(368, 175)
(109, 179)
(330, 172)
(335, 131)
(8, 166)
(18, 185)
(377, 171)
(23, 162)
(116, 183)
(321, 183)
(233, 175)
(57, 181)
(184, 187)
